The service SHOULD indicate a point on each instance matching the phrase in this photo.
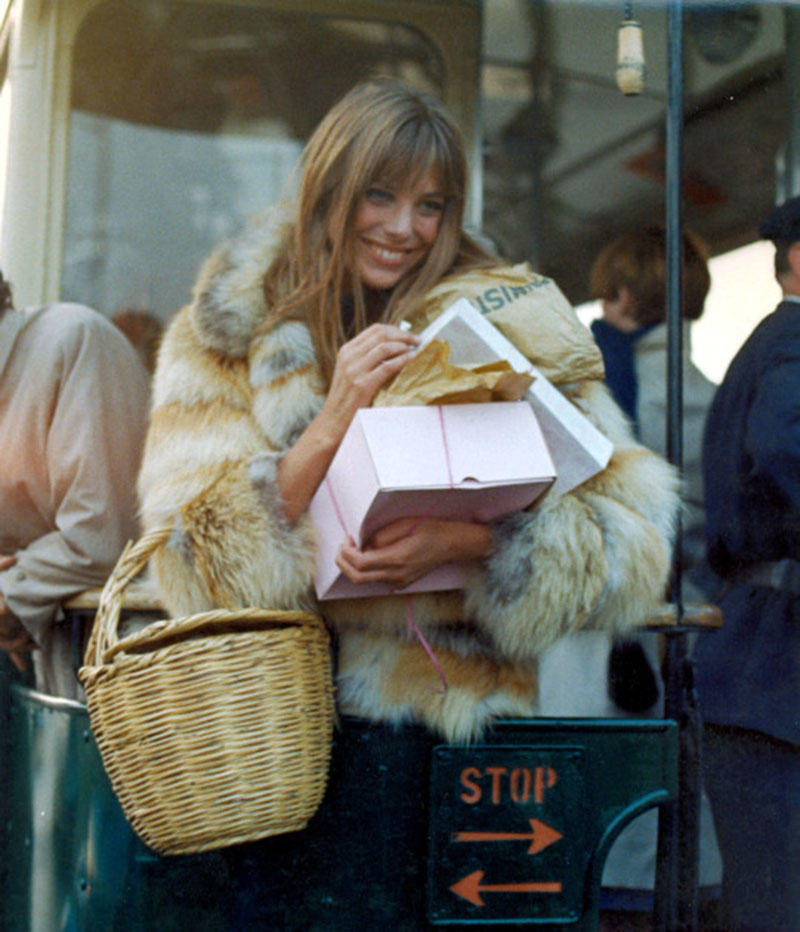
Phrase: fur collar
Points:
(228, 300)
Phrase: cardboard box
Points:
(470, 462)
(579, 450)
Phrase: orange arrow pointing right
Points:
(470, 888)
(541, 835)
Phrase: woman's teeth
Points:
(390, 255)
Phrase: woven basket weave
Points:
(215, 728)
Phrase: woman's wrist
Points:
(304, 466)
(468, 541)
(328, 428)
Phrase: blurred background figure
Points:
(73, 408)
(629, 278)
(143, 330)
(748, 673)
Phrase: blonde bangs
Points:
(417, 149)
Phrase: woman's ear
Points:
(620, 312)
(627, 302)
(793, 256)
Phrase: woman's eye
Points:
(379, 195)
(432, 206)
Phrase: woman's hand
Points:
(363, 365)
(405, 550)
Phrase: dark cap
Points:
(782, 225)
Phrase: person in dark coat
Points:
(747, 673)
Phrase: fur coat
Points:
(231, 394)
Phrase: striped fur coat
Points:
(232, 393)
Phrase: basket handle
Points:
(133, 560)
(168, 630)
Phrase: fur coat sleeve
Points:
(227, 403)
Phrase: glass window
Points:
(5, 117)
(188, 118)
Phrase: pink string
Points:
(446, 448)
(413, 631)
(335, 504)
(413, 627)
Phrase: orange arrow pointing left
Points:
(470, 887)
(542, 836)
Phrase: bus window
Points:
(571, 162)
(5, 114)
(187, 118)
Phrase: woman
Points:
(629, 277)
(292, 328)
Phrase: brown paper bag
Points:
(429, 379)
(530, 311)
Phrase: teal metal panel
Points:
(75, 865)
(72, 851)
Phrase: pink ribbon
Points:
(413, 631)
(335, 504)
(446, 448)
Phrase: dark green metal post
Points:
(676, 881)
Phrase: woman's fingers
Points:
(375, 345)
(384, 338)
(366, 363)
(412, 547)
(380, 333)
(397, 562)
(391, 533)
(360, 568)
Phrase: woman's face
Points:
(394, 227)
(620, 312)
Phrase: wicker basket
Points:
(215, 728)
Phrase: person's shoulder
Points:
(61, 318)
(58, 325)
(77, 334)
(778, 334)
(786, 317)
(774, 342)
(70, 326)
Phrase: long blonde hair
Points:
(380, 131)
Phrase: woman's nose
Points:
(400, 220)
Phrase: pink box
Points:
(470, 462)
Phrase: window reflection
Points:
(188, 118)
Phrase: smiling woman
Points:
(378, 223)
(294, 327)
